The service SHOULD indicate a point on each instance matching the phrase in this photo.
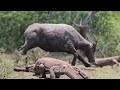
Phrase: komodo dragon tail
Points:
(81, 72)
(20, 69)
(29, 68)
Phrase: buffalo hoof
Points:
(73, 64)
(88, 65)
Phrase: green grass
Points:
(7, 65)
(106, 72)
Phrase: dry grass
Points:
(7, 64)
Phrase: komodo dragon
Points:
(55, 68)
(107, 61)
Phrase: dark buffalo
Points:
(58, 38)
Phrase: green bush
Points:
(12, 27)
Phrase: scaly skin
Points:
(107, 61)
(71, 72)
(55, 68)
(50, 62)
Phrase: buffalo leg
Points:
(87, 64)
(29, 44)
(73, 51)
(74, 60)
(76, 55)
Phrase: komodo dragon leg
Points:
(60, 70)
(80, 72)
(116, 62)
(52, 74)
(56, 71)
(40, 70)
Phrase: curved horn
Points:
(76, 24)
(95, 38)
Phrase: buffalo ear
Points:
(94, 47)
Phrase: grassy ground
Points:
(7, 64)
